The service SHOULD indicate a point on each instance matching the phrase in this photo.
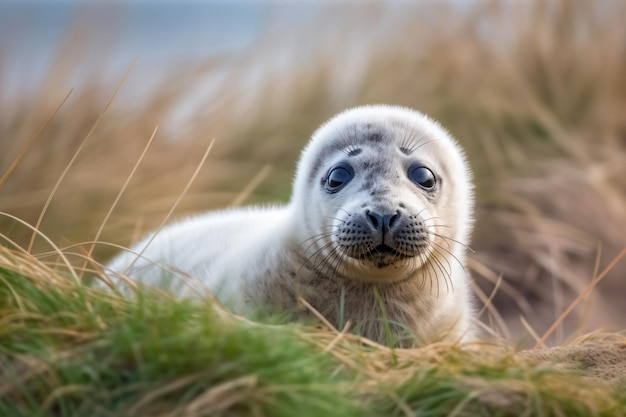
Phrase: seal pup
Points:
(376, 232)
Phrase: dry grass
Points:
(534, 91)
(71, 350)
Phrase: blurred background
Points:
(534, 91)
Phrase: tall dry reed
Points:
(534, 91)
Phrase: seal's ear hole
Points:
(422, 176)
(338, 176)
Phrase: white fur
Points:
(214, 251)
(227, 251)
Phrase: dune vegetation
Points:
(534, 91)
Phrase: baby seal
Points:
(375, 233)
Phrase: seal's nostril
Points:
(382, 223)
(390, 219)
(375, 219)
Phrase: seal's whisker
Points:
(438, 246)
(447, 274)
(315, 239)
(314, 256)
(318, 232)
(444, 237)
(424, 260)
(451, 254)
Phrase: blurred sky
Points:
(71, 40)
(32, 33)
(153, 29)
(82, 37)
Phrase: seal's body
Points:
(376, 233)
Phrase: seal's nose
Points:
(381, 223)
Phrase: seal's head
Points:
(384, 193)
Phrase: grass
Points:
(540, 109)
(68, 353)
(72, 350)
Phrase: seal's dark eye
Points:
(338, 176)
(422, 176)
